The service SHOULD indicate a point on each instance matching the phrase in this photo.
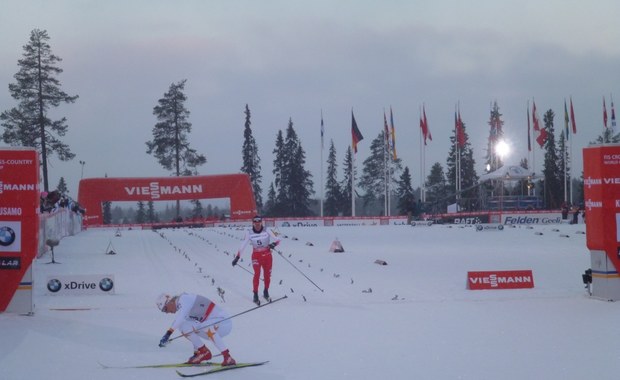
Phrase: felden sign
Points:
(507, 279)
(19, 217)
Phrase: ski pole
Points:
(247, 271)
(302, 273)
(231, 317)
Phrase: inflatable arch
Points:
(94, 191)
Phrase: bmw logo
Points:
(106, 284)
(54, 285)
(7, 236)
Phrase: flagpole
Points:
(529, 146)
(422, 183)
(534, 140)
(385, 165)
(565, 151)
(322, 147)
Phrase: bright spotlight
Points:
(502, 148)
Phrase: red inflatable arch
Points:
(94, 191)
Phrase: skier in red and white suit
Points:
(263, 241)
(197, 318)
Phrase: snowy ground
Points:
(410, 319)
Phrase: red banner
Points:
(601, 178)
(507, 279)
(237, 187)
(19, 217)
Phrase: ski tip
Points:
(102, 365)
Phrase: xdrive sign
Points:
(80, 285)
(511, 279)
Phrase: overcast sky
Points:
(294, 59)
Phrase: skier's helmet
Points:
(162, 300)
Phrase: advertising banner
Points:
(299, 223)
(236, 187)
(80, 284)
(602, 208)
(19, 219)
(507, 279)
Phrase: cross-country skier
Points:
(263, 241)
(197, 317)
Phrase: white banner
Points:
(300, 223)
(80, 284)
(532, 218)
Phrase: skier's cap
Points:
(257, 219)
(162, 300)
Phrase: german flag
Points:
(355, 133)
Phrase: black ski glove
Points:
(164, 339)
(235, 261)
(272, 245)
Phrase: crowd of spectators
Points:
(54, 200)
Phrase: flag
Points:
(460, 131)
(422, 129)
(535, 117)
(386, 133)
(322, 131)
(613, 117)
(426, 133)
(566, 121)
(572, 117)
(542, 137)
(393, 134)
(529, 141)
(604, 113)
(355, 133)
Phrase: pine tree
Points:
(404, 192)
(118, 215)
(373, 180)
(298, 180)
(437, 190)
(552, 189)
(468, 176)
(62, 187)
(251, 161)
(38, 90)
(107, 212)
(345, 185)
(197, 210)
(293, 183)
(563, 165)
(333, 193)
(607, 136)
(278, 202)
(271, 201)
(170, 134)
(151, 215)
(141, 213)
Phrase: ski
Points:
(220, 369)
(166, 365)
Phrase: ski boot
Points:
(200, 356)
(266, 295)
(256, 300)
(228, 360)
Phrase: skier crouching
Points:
(197, 318)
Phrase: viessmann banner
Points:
(19, 218)
(506, 279)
